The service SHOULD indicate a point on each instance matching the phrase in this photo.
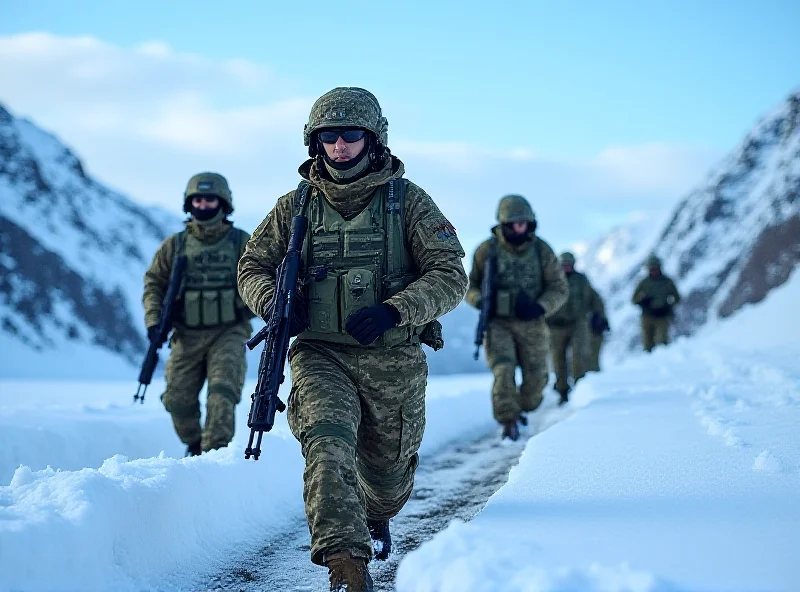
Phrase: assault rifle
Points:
(163, 328)
(275, 336)
(487, 300)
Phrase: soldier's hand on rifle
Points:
(526, 309)
(369, 323)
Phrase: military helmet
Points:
(514, 208)
(652, 262)
(567, 258)
(347, 106)
(209, 184)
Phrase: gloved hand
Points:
(367, 324)
(598, 323)
(645, 302)
(526, 309)
(152, 332)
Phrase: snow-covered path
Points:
(454, 483)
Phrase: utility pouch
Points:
(323, 305)
(357, 290)
(504, 304)
(227, 306)
(191, 308)
(209, 307)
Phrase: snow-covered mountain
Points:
(72, 256)
(728, 243)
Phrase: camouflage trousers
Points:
(510, 343)
(576, 338)
(655, 331)
(359, 415)
(216, 354)
(595, 347)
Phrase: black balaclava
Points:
(517, 239)
(206, 214)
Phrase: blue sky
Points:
(570, 82)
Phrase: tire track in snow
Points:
(454, 483)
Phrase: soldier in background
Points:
(383, 263)
(657, 296)
(528, 285)
(212, 322)
(598, 325)
(569, 328)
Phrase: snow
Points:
(103, 488)
(679, 471)
(676, 471)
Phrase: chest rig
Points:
(210, 294)
(351, 264)
(516, 272)
(577, 304)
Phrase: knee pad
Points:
(181, 403)
(321, 432)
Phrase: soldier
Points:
(212, 322)
(657, 296)
(382, 263)
(569, 328)
(528, 285)
(598, 324)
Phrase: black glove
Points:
(526, 309)
(152, 332)
(299, 321)
(598, 323)
(367, 324)
(645, 302)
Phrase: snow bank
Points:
(680, 472)
(106, 522)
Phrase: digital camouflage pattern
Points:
(358, 411)
(658, 296)
(510, 342)
(514, 208)
(569, 330)
(347, 107)
(215, 354)
(359, 415)
(209, 184)
(595, 338)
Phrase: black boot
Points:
(194, 449)
(564, 398)
(523, 419)
(381, 538)
(510, 431)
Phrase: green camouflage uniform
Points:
(207, 347)
(596, 338)
(569, 328)
(511, 342)
(657, 313)
(357, 411)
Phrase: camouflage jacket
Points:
(656, 295)
(156, 278)
(555, 289)
(579, 303)
(436, 253)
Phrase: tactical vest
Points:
(515, 273)
(351, 264)
(660, 290)
(210, 293)
(576, 306)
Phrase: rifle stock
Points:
(275, 335)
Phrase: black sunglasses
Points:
(329, 136)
